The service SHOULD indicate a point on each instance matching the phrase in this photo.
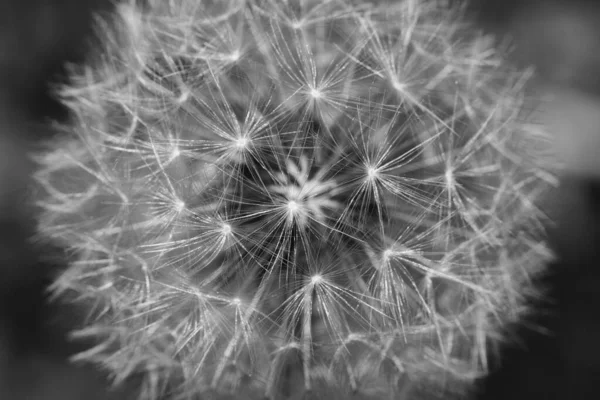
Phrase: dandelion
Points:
(277, 199)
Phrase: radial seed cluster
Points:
(293, 199)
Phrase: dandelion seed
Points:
(179, 206)
(387, 254)
(372, 173)
(297, 25)
(316, 94)
(316, 279)
(449, 175)
(241, 143)
(226, 229)
(293, 206)
(185, 95)
(398, 86)
(235, 56)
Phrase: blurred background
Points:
(37, 37)
(557, 354)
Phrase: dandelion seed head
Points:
(256, 196)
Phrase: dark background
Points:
(560, 361)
